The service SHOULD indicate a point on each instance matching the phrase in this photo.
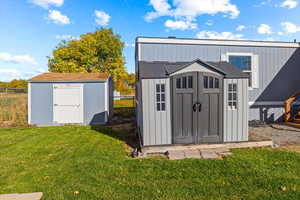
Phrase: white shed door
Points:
(68, 103)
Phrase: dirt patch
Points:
(292, 147)
(284, 136)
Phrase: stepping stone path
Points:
(27, 196)
(198, 153)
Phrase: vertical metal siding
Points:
(236, 121)
(271, 61)
(156, 124)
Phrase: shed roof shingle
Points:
(54, 76)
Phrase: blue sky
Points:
(30, 29)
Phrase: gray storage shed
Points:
(192, 102)
(70, 98)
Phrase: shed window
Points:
(161, 97)
(217, 84)
(232, 96)
(211, 82)
(178, 83)
(205, 80)
(184, 82)
(190, 82)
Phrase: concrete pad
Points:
(26, 196)
(228, 153)
(207, 155)
(166, 148)
(176, 155)
(192, 153)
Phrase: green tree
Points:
(100, 51)
(21, 84)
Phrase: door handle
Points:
(200, 107)
(194, 107)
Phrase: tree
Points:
(20, 84)
(100, 51)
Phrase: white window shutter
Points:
(224, 57)
(255, 72)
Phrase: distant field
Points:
(13, 110)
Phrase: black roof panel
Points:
(148, 70)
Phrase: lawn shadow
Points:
(121, 126)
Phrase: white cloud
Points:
(209, 23)
(127, 44)
(102, 18)
(47, 3)
(180, 25)
(190, 9)
(240, 28)
(57, 18)
(289, 4)
(289, 27)
(264, 29)
(67, 37)
(270, 39)
(9, 74)
(219, 35)
(41, 70)
(21, 59)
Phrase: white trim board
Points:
(217, 42)
(29, 103)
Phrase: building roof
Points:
(69, 77)
(194, 41)
(148, 70)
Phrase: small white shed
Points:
(70, 98)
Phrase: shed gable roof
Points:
(170, 69)
(69, 77)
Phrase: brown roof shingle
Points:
(53, 76)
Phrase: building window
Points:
(232, 96)
(160, 97)
(247, 62)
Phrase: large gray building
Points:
(70, 98)
(253, 79)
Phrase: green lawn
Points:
(61, 160)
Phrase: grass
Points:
(13, 110)
(124, 107)
(124, 103)
(60, 161)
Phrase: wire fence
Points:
(13, 90)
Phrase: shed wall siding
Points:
(278, 67)
(236, 121)
(41, 104)
(95, 111)
(156, 124)
(93, 103)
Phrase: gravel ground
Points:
(281, 134)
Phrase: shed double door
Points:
(197, 108)
(68, 103)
